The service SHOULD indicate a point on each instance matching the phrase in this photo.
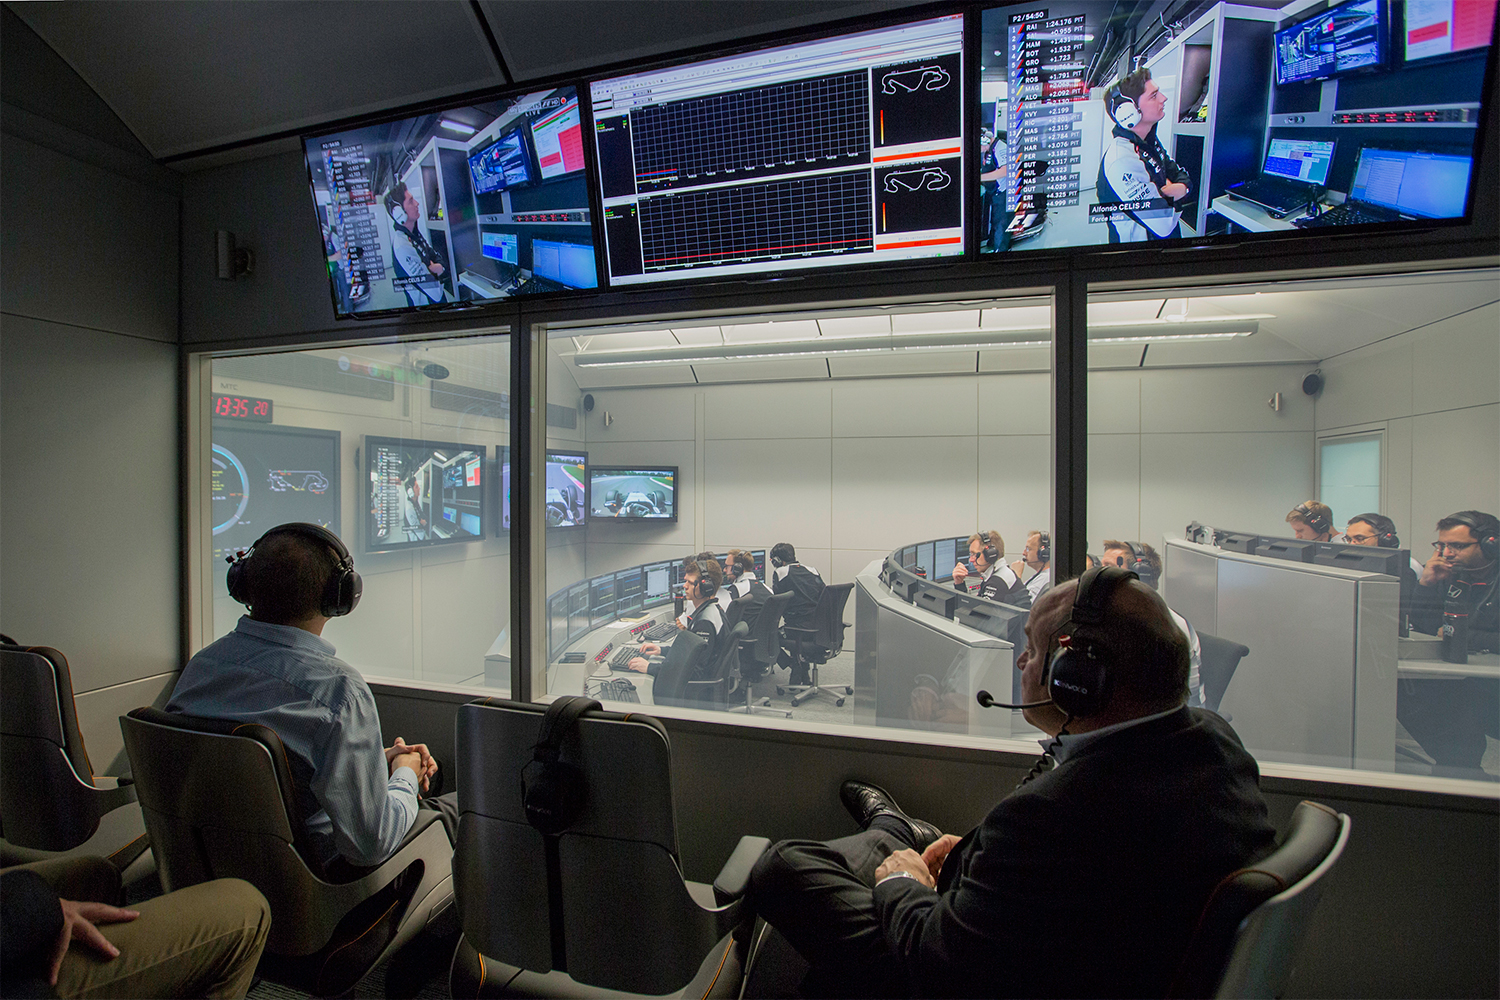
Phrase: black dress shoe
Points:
(866, 801)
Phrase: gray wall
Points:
(88, 427)
(1435, 393)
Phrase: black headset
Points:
(1078, 678)
(1044, 547)
(344, 586)
(990, 553)
(1116, 104)
(1385, 529)
(553, 791)
(733, 571)
(1485, 528)
(704, 588)
(1315, 521)
(1141, 566)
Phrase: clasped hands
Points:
(924, 867)
(414, 756)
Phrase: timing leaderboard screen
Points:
(845, 150)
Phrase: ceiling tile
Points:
(855, 326)
(771, 333)
(1018, 318)
(902, 363)
(786, 369)
(698, 336)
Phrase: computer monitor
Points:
(1426, 185)
(1342, 39)
(505, 247)
(568, 264)
(944, 558)
(1446, 27)
(936, 598)
(658, 583)
(503, 527)
(602, 599)
(557, 623)
(758, 557)
(578, 609)
(262, 476)
(557, 137)
(422, 493)
(1290, 549)
(1365, 558)
(1299, 160)
(925, 564)
(566, 489)
(504, 163)
(629, 591)
(908, 557)
(633, 493)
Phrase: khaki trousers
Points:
(202, 941)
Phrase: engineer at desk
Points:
(702, 582)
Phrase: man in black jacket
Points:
(806, 586)
(1087, 881)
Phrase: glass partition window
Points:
(1280, 457)
(403, 450)
(846, 455)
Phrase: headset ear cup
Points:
(234, 579)
(1077, 681)
(1489, 545)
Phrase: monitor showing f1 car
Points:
(567, 490)
(633, 493)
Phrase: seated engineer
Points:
(1456, 597)
(702, 581)
(806, 586)
(997, 581)
(1142, 560)
(1380, 531)
(1312, 522)
(742, 586)
(359, 798)
(1060, 891)
(1035, 565)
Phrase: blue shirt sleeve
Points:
(371, 813)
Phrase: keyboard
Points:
(535, 286)
(657, 633)
(614, 689)
(1272, 193)
(624, 655)
(1346, 214)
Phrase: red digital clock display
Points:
(228, 407)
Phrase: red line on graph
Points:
(918, 243)
(917, 156)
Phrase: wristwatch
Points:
(897, 874)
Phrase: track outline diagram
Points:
(313, 481)
(928, 179)
(927, 78)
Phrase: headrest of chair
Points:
(38, 702)
(626, 762)
(288, 775)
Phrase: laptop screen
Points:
(1427, 185)
(1299, 160)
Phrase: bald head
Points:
(1149, 664)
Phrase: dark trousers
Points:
(1450, 719)
(818, 895)
(446, 806)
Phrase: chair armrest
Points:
(112, 793)
(732, 879)
(805, 634)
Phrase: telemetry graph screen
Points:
(842, 150)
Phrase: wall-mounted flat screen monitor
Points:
(444, 207)
(844, 151)
(504, 457)
(567, 489)
(1443, 27)
(1352, 36)
(1061, 169)
(262, 476)
(422, 493)
(504, 163)
(633, 493)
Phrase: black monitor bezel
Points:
(587, 483)
(367, 496)
(676, 471)
(287, 430)
(1386, 29)
(523, 132)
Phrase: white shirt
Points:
(1038, 582)
(1126, 173)
(1195, 660)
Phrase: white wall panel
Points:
(1015, 490)
(464, 606)
(1016, 359)
(1224, 399)
(884, 489)
(772, 489)
(1114, 402)
(918, 407)
(99, 714)
(623, 553)
(846, 565)
(381, 636)
(1457, 362)
(604, 378)
(1455, 465)
(1242, 481)
(1373, 383)
(794, 410)
(1115, 490)
(642, 415)
(1396, 494)
(1015, 404)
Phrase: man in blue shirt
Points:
(358, 796)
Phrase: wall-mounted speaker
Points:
(232, 261)
(1312, 382)
(588, 402)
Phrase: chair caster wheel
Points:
(780, 691)
(848, 690)
(838, 702)
(765, 703)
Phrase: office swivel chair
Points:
(758, 654)
(603, 904)
(819, 644)
(1219, 659)
(712, 689)
(684, 662)
(56, 803)
(1248, 934)
(220, 801)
